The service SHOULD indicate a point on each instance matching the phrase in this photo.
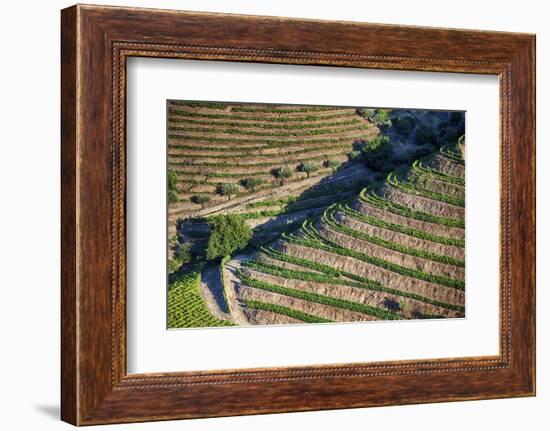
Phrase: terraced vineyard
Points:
(395, 251)
(186, 306)
(231, 156)
(332, 239)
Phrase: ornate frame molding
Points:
(96, 41)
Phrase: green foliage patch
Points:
(228, 233)
(186, 307)
(376, 153)
(172, 187)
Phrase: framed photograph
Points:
(322, 214)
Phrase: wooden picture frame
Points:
(96, 41)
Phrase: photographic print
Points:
(289, 214)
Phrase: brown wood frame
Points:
(95, 43)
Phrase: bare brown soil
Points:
(262, 317)
(401, 238)
(437, 186)
(251, 119)
(421, 203)
(212, 292)
(285, 158)
(355, 294)
(282, 128)
(389, 255)
(433, 228)
(385, 277)
(325, 311)
(448, 167)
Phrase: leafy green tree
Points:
(172, 187)
(201, 200)
(308, 168)
(228, 189)
(354, 155)
(282, 173)
(405, 124)
(228, 233)
(173, 196)
(382, 117)
(366, 113)
(182, 255)
(252, 183)
(332, 164)
(377, 153)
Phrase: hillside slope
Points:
(395, 251)
(227, 158)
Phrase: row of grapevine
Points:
(186, 306)
(329, 261)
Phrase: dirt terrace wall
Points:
(402, 259)
(356, 294)
(384, 276)
(236, 120)
(244, 170)
(262, 317)
(193, 151)
(262, 257)
(400, 238)
(320, 310)
(274, 111)
(287, 157)
(433, 228)
(216, 127)
(186, 135)
(434, 185)
(421, 203)
(447, 167)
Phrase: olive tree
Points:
(282, 173)
(201, 200)
(252, 183)
(228, 189)
(308, 168)
(332, 164)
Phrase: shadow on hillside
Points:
(413, 134)
(345, 182)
